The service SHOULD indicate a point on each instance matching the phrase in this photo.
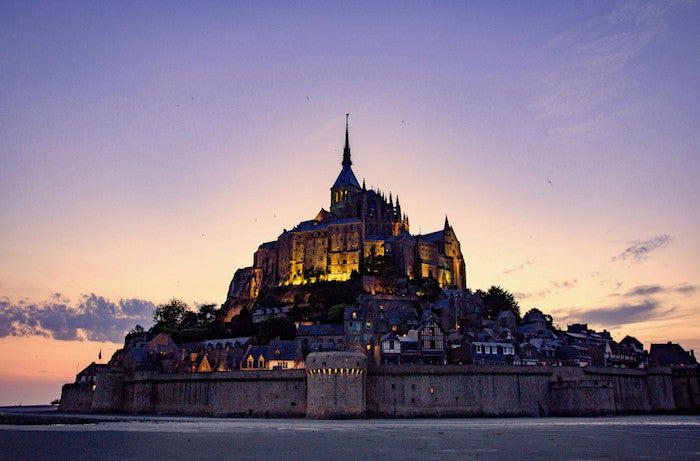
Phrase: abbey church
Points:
(361, 224)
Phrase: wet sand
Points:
(123, 437)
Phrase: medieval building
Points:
(362, 224)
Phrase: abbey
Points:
(362, 226)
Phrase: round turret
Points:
(335, 384)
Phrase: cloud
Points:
(566, 284)
(518, 268)
(640, 249)
(647, 290)
(532, 294)
(622, 314)
(583, 73)
(93, 318)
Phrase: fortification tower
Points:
(335, 384)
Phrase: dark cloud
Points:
(647, 290)
(518, 268)
(622, 314)
(94, 318)
(640, 249)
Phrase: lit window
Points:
(432, 390)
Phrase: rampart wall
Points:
(235, 393)
(76, 398)
(686, 390)
(457, 390)
(337, 385)
(599, 390)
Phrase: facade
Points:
(278, 355)
(361, 227)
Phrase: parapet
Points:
(336, 362)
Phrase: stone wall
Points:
(457, 390)
(341, 384)
(273, 393)
(598, 390)
(76, 398)
(686, 390)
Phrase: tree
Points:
(207, 313)
(549, 320)
(429, 290)
(169, 315)
(335, 313)
(497, 299)
(188, 320)
(276, 327)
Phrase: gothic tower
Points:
(346, 190)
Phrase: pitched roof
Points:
(670, 354)
(433, 236)
(346, 178)
(287, 350)
(321, 330)
(242, 341)
(256, 351)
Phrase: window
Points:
(261, 363)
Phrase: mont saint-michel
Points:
(351, 314)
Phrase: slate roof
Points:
(223, 341)
(670, 354)
(322, 347)
(320, 330)
(257, 351)
(288, 350)
(433, 236)
(632, 341)
(346, 178)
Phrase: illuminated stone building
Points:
(361, 223)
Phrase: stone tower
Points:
(346, 190)
(335, 384)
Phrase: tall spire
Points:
(346, 151)
(447, 223)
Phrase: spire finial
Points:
(346, 151)
(447, 223)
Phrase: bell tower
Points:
(346, 189)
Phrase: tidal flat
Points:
(174, 437)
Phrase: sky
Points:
(148, 148)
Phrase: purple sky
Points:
(147, 149)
